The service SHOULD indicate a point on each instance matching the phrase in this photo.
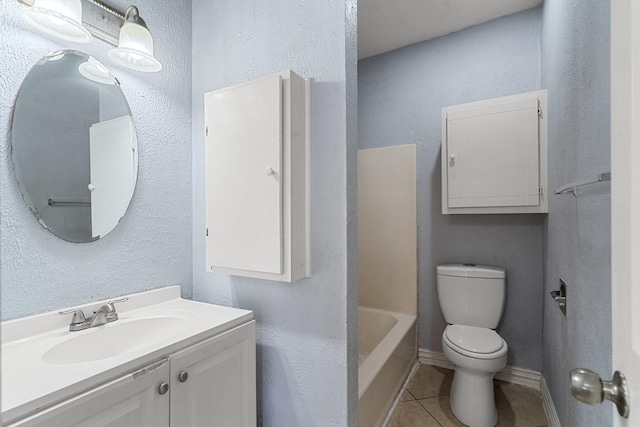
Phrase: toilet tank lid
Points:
(471, 270)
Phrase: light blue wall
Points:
(151, 247)
(307, 331)
(575, 69)
(401, 95)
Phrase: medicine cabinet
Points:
(257, 178)
(494, 156)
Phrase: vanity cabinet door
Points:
(213, 383)
(129, 401)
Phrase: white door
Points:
(625, 194)
(213, 383)
(133, 400)
(243, 150)
(113, 164)
(500, 143)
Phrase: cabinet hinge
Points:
(206, 129)
(207, 232)
(540, 190)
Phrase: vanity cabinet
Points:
(131, 400)
(214, 382)
(209, 383)
(494, 156)
(257, 178)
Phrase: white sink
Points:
(113, 339)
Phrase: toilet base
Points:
(472, 398)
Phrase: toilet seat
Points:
(472, 341)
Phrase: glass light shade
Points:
(135, 49)
(58, 18)
(95, 71)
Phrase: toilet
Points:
(472, 299)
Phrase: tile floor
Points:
(425, 402)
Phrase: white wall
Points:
(151, 247)
(307, 331)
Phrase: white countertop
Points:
(30, 384)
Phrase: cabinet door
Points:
(129, 401)
(243, 149)
(493, 156)
(220, 390)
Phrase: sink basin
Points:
(113, 339)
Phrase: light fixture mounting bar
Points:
(102, 21)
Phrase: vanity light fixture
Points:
(78, 20)
(135, 47)
(58, 18)
(95, 71)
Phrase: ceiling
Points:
(385, 25)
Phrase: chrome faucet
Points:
(105, 314)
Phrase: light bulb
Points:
(58, 18)
(135, 46)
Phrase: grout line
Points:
(432, 416)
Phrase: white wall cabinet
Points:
(209, 383)
(257, 178)
(494, 156)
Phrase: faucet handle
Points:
(111, 313)
(78, 315)
(110, 303)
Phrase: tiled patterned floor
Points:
(425, 403)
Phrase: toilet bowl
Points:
(472, 299)
(472, 398)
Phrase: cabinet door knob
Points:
(164, 388)
(452, 159)
(183, 376)
(269, 171)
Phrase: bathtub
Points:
(387, 350)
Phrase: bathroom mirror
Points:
(74, 146)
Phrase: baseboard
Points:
(434, 358)
(510, 374)
(547, 404)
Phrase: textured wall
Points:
(307, 363)
(152, 245)
(401, 95)
(575, 70)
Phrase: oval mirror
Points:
(74, 146)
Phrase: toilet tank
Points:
(471, 294)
